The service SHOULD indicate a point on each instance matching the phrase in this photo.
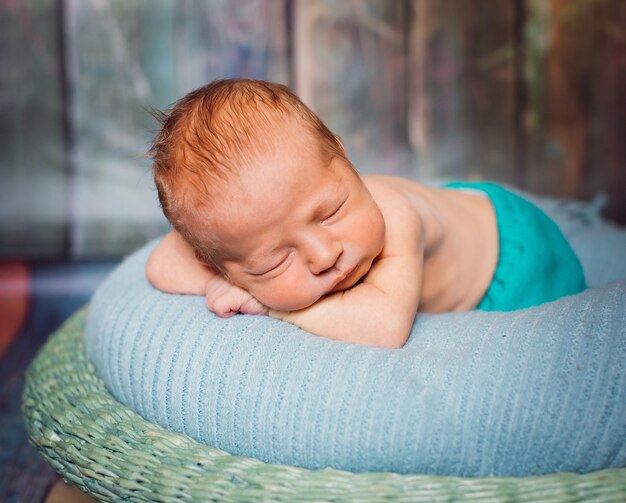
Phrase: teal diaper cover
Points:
(536, 264)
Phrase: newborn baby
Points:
(270, 217)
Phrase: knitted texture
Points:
(114, 455)
(471, 394)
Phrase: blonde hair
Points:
(210, 134)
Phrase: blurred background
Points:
(526, 92)
(529, 92)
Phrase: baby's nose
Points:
(323, 253)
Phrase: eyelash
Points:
(334, 212)
(273, 268)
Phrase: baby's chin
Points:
(295, 306)
(292, 305)
(346, 284)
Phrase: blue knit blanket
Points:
(471, 394)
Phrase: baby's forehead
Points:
(264, 194)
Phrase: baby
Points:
(270, 217)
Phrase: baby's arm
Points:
(381, 309)
(173, 267)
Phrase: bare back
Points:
(461, 243)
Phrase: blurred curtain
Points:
(527, 92)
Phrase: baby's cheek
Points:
(286, 293)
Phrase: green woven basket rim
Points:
(113, 454)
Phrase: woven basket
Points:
(112, 454)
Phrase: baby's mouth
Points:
(344, 277)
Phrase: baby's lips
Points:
(343, 276)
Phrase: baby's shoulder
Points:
(395, 185)
(389, 182)
(403, 220)
(401, 193)
(388, 192)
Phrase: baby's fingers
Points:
(253, 306)
(224, 306)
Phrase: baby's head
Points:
(261, 189)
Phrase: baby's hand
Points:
(225, 299)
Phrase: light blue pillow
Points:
(470, 394)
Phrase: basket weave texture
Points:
(112, 454)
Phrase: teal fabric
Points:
(477, 393)
(536, 263)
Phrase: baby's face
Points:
(297, 228)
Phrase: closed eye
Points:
(335, 212)
(273, 268)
